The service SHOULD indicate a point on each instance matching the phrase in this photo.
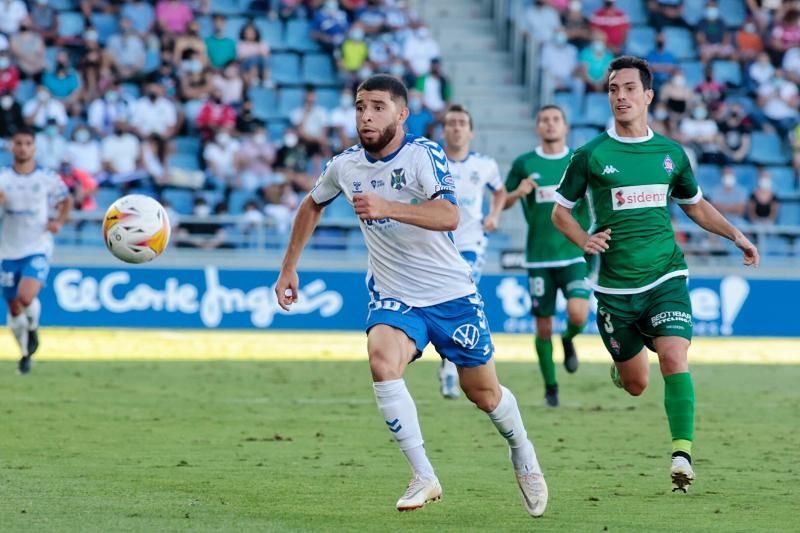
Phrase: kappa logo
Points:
(609, 169)
(466, 336)
(398, 179)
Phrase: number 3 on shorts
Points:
(537, 286)
(607, 325)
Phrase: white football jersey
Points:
(473, 176)
(26, 211)
(417, 266)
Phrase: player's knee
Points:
(485, 399)
(673, 362)
(15, 307)
(635, 386)
(544, 328)
(25, 299)
(383, 366)
(576, 317)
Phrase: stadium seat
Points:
(91, 233)
(746, 176)
(152, 60)
(5, 158)
(233, 26)
(589, 6)
(265, 102)
(329, 238)
(635, 10)
(596, 110)
(105, 197)
(784, 181)
(328, 98)
(271, 32)
(106, 26)
(286, 69)
(228, 7)
(145, 191)
(746, 102)
(767, 149)
(727, 72)
(237, 199)
(641, 40)
(50, 54)
(571, 104)
(131, 90)
(63, 5)
(184, 161)
(187, 145)
(680, 42)
(339, 211)
(708, 177)
(290, 99)
(298, 36)
(579, 136)
(693, 71)
(776, 245)
(25, 91)
(318, 69)
(206, 25)
(733, 12)
(190, 110)
(70, 24)
(277, 128)
(182, 200)
(693, 12)
(789, 214)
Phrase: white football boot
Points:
(682, 474)
(419, 492)
(534, 491)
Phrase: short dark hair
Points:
(548, 107)
(645, 74)
(458, 108)
(385, 82)
(24, 130)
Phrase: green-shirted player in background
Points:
(630, 174)
(553, 262)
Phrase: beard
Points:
(384, 139)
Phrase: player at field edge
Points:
(553, 262)
(27, 193)
(641, 286)
(420, 287)
(473, 174)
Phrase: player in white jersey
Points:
(26, 239)
(420, 287)
(473, 174)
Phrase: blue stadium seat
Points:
(746, 102)
(272, 32)
(708, 177)
(187, 145)
(286, 69)
(145, 191)
(298, 36)
(784, 181)
(184, 161)
(733, 12)
(727, 72)
(355, 241)
(182, 200)
(277, 128)
(776, 245)
(571, 104)
(70, 24)
(105, 197)
(641, 41)
(318, 69)
(767, 149)
(233, 26)
(50, 54)
(339, 211)
(206, 25)
(746, 176)
(212, 197)
(91, 233)
(5, 158)
(63, 5)
(579, 136)
(693, 12)
(237, 200)
(635, 10)
(789, 214)
(290, 99)
(152, 60)
(328, 98)
(589, 6)
(229, 7)
(596, 110)
(265, 102)
(693, 71)
(106, 26)
(680, 42)
(25, 91)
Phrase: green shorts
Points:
(628, 322)
(543, 283)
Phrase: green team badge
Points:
(669, 166)
(398, 179)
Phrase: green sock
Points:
(544, 349)
(572, 330)
(679, 404)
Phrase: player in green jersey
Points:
(553, 262)
(631, 174)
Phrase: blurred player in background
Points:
(553, 262)
(473, 174)
(26, 239)
(630, 174)
(420, 288)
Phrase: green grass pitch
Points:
(300, 446)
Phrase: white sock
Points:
(508, 421)
(398, 410)
(448, 369)
(33, 312)
(19, 326)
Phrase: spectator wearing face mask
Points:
(372, 17)
(229, 84)
(576, 25)
(280, 203)
(203, 232)
(253, 53)
(748, 42)
(195, 79)
(666, 13)
(14, 11)
(84, 152)
(127, 51)
(38, 111)
(676, 94)
(763, 206)
(220, 158)
(729, 197)
(215, 115)
(734, 135)
(292, 161)
(710, 90)
(94, 66)
(419, 51)
(82, 187)
(560, 65)
(613, 22)
(154, 114)
(120, 153)
(51, 146)
(779, 101)
(11, 119)
(760, 72)
(713, 38)
(420, 120)
(329, 25)
(354, 50)
(660, 122)
(246, 121)
(44, 21)
(541, 21)
(382, 50)
(190, 41)
(791, 65)
(435, 88)
(311, 121)
(662, 62)
(343, 121)
(254, 161)
(104, 112)
(700, 132)
(594, 63)
(221, 49)
(63, 83)
(28, 48)
(250, 224)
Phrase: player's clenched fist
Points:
(370, 206)
(525, 187)
(286, 288)
(598, 243)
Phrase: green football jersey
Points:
(630, 182)
(546, 246)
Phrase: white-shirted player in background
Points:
(473, 173)
(420, 288)
(26, 239)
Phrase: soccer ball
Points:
(136, 229)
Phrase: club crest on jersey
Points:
(398, 179)
(377, 183)
(669, 166)
(357, 186)
(474, 178)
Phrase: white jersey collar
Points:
(612, 132)
(559, 155)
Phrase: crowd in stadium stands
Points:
(726, 81)
(212, 106)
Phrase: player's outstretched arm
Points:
(565, 223)
(707, 217)
(306, 219)
(437, 214)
